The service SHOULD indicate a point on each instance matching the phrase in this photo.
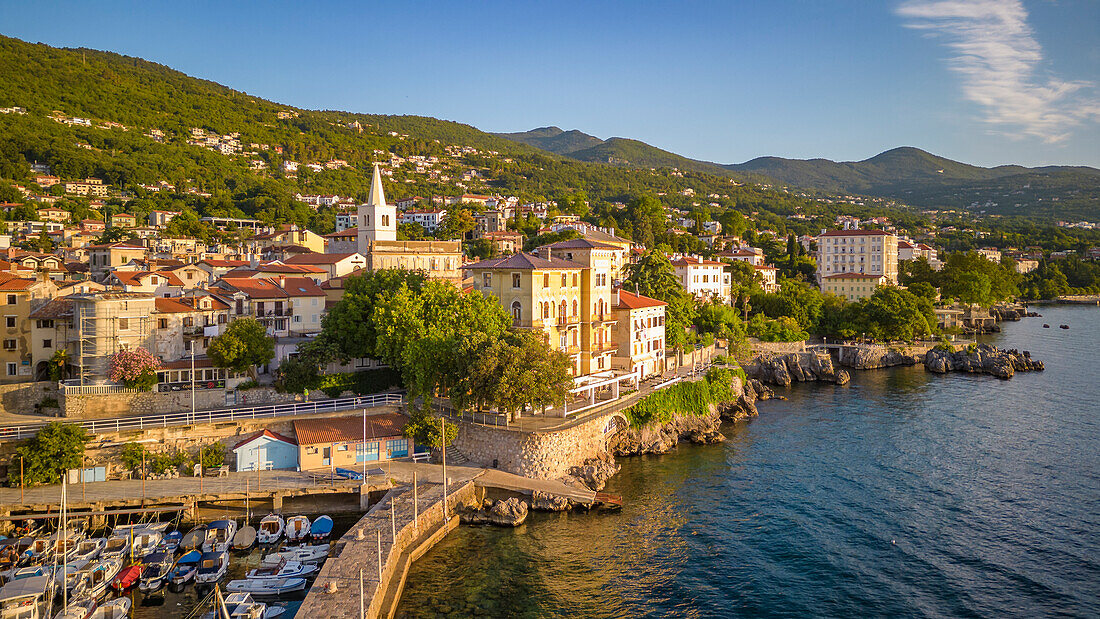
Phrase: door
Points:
(326, 456)
(261, 458)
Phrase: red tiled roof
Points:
(60, 307)
(224, 263)
(16, 283)
(267, 433)
(629, 300)
(348, 429)
(135, 278)
(268, 287)
(172, 306)
(349, 232)
(523, 261)
(689, 261)
(315, 258)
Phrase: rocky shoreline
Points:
(981, 359)
(783, 369)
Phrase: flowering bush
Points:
(137, 368)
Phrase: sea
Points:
(902, 494)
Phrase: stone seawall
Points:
(25, 398)
(105, 406)
(541, 455)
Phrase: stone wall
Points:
(541, 455)
(776, 347)
(86, 406)
(23, 398)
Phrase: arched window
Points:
(517, 311)
(545, 309)
(575, 313)
(562, 309)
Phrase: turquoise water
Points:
(904, 494)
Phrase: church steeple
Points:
(377, 220)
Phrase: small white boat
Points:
(271, 529)
(100, 576)
(27, 598)
(71, 575)
(116, 548)
(267, 587)
(212, 567)
(63, 546)
(301, 554)
(78, 609)
(145, 542)
(89, 549)
(242, 606)
(219, 536)
(158, 566)
(118, 608)
(281, 568)
(297, 528)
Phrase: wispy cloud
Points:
(996, 54)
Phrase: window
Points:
(297, 318)
(515, 280)
(10, 320)
(517, 311)
(123, 324)
(545, 280)
(9, 344)
(188, 321)
(366, 452)
(487, 279)
(45, 324)
(12, 369)
(574, 280)
(564, 280)
(47, 343)
(397, 448)
(11, 299)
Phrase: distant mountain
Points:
(923, 179)
(554, 139)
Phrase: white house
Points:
(704, 279)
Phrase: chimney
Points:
(615, 298)
(544, 252)
(253, 261)
(282, 281)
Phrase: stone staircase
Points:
(456, 457)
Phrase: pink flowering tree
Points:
(137, 368)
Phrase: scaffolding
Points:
(104, 326)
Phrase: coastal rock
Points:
(874, 356)
(545, 502)
(745, 406)
(763, 392)
(508, 513)
(706, 438)
(663, 438)
(783, 369)
(981, 359)
(842, 377)
(594, 473)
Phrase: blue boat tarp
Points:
(350, 474)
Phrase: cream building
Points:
(862, 252)
(703, 279)
(639, 334)
(852, 286)
(597, 318)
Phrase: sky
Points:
(987, 82)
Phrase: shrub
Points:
(56, 448)
(686, 398)
(137, 368)
(248, 384)
(782, 329)
(213, 455)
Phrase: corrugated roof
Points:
(348, 429)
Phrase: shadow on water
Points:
(903, 494)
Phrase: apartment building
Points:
(105, 258)
(597, 317)
(286, 306)
(703, 279)
(429, 219)
(861, 252)
(639, 333)
(20, 297)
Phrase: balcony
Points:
(604, 317)
(605, 347)
(568, 320)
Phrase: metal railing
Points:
(96, 389)
(99, 426)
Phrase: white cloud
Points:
(996, 54)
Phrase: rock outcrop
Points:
(593, 474)
(506, 513)
(873, 357)
(981, 359)
(662, 438)
(545, 502)
(783, 369)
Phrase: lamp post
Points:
(22, 481)
(192, 381)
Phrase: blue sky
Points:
(982, 81)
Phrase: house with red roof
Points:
(704, 279)
(157, 283)
(335, 265)
(639, 333)
(285, 305)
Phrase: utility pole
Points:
(143, 478)
(379, 538)
(443, 441)
(362, 608)
(192, 381)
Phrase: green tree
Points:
(56, 448)
(427, 429)
(654, 276)
(244, 345)
(533, 376)
(456, 224)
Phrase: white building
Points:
(704, 279)
(770, 277)
(429, 219)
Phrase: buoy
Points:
(1046, 326)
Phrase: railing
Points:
(99, 426)
(487, 419)
(96, 389)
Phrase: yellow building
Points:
(20, 296)
(600, 261)
(852, 286)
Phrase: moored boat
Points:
(145, 542)
(212, 567)
(219, 536)
(245, 538)
(321, 528)
(301, 554)
(297, 528)
(27, 598)
(127, 577)
(242, 606)
(158, 566)
(271, 529)
(97, 579)
(117, 547)
(185, 569)
(78, 609)
(281, 568)
(89, 549)
(194, 538)
(267, 587)
(170, 543)
(117, 608)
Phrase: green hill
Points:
(554, 139)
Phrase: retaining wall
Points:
(24, 398)
(82, 406)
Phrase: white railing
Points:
(99, 426)
(96, 389)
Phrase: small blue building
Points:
(266, 451)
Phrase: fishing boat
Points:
(27, 598)
(11, 552)
(118, 608)
(100, 576)
(185, 569)
(242, 606)
(158, 566)
(321, 528)
(297, 528)
(271, 529)
(267, 587)
(219, 536)
(301, 554)
(212, 567)
(71, 576)
(194, 538)
(245, 538)
(78, 609)
(37, 552)
(127, 577)
(170, 543)
(89, 549)
(63, 545)
(145, 542)
(281, 568)
(116, 548)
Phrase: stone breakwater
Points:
(981, 359)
